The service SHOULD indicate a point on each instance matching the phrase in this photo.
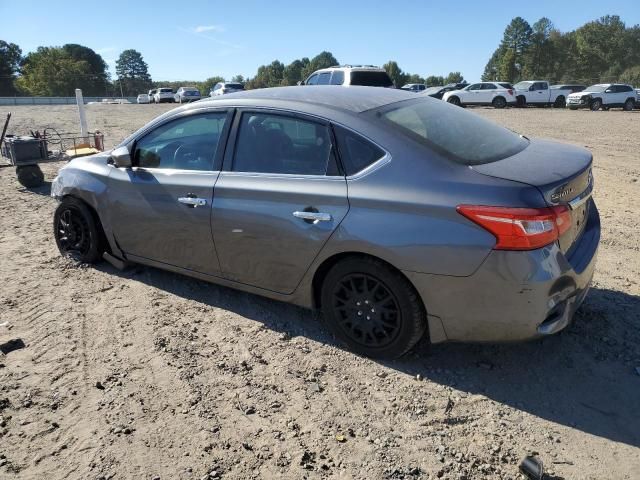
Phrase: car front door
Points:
(473, 94)
(160, 208)
(278, 199)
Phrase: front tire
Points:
(372, 308)
(76, 232)
(595, 105)
(499, 102)
(560, 102)
(454, 101)
(30, 176)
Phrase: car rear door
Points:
(160, 208)
(278, 199)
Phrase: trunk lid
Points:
(562, 174)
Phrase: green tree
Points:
(293, 72)
(453, 77)
(322, 60)
(600, 48)
(631, 76)
(10, 56)
(398, 77)
(434, 81)
(133, 73)
(237, 78)
(414, 78)
(51, 71)
(492, 68)
(95, 82)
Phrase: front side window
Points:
(312, 80)
(462, 136)
(489, 86)
(278, 144)
(475, 86)
(188, 143)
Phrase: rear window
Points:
(356, 152)
(235, 86)
(462, 136)
(371, 79)
(165, 90)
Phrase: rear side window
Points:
(506, 85)
(489, 86)
(462, 136)
(371, 79)
(356, 152)
(324, 78)
(279, 144)
(337, 78)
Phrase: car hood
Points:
(580, 94)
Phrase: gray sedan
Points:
(399, 216)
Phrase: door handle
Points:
(193, 202)
(313, 217)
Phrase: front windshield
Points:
(596, 88)
(431, 90)
(522, 85)
(463, 136)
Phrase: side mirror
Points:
(121, 157)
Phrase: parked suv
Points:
(186, 95)
(164, 95)
(222, 88)
(605, 96)
(365, 75)
(538, 92)
(498, 94)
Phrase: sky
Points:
(197, 39)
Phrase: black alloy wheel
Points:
(76, 232)
(372, 308)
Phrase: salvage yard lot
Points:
(146, 374)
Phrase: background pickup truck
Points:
(537, 92)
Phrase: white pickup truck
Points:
(537, 92)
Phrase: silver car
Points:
(399, 216)
(187, 94)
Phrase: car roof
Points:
(354, 98)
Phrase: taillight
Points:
(510, 92)
(520, 228)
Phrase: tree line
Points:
(604, 50)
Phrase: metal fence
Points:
(56, 100)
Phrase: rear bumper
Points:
(513, 296)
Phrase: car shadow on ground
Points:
(44, 189)
(584, 378)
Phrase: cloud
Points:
(208, 28)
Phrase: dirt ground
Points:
(149, 375)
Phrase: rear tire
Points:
(560, 102)
(30, 176)
(595, 105)
(76, 232)
(454, 101)
(372, 308)
(499, 102)
(629, 105)
(521, 101)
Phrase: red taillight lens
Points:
(510, 92)
(520, 228)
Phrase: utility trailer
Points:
(26, 152)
